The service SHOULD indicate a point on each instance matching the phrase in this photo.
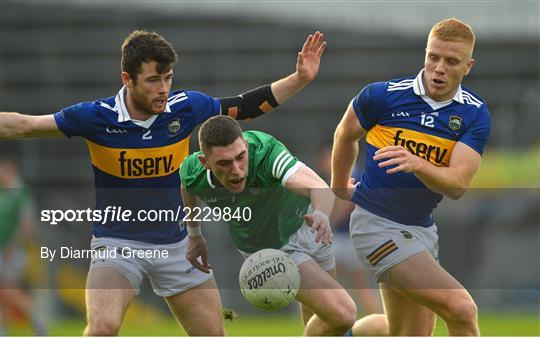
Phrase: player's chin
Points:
(157, 108)
(159, 111)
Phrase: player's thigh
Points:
(404, 316)
(199, 310)
(320, 292)
(108, 295)
(421, 279)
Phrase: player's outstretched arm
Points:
(264, 99)
(307, 68)
(196, 246)
(451, 181)
(17, 126)
(307, 183)
(344, 153)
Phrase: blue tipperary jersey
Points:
(136, 163)
(399, 112)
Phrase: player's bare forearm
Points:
(344, 153)
(322, 198)
(190, 202)
(448, 181)
(306, 182)
(18, 126)
(287, 87)
(343, 159)
(440, 180)
(452, 180)
(12, 126)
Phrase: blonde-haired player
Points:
(424, 138)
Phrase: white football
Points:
(269, 279)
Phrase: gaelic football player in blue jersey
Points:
(425, 135)
(137, 140)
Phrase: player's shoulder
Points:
(178, 96)
(382, 90)
(258, 137)
(179, 99)
(399, 84)
(475, 110)
(265, 149)
(375, 88)
(261, 144)
(84, 111)
(191, 170)
(470, 98)
(191, 163)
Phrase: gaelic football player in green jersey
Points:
(16, 225)
(289, 207)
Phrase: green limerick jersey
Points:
(276, 212)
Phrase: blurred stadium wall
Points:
(54, 54)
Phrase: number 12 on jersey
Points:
(427, 120)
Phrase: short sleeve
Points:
(186, 171)
(204, 106)
(477, 134)
(280, 163)
(75, 120)
(367, 104)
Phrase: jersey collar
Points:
(418, 87)
(209, 178)
(121, 108)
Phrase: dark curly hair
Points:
(141, 46)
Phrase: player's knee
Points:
(463, 312)
(345, 316)
(103, 327)
(371, 325)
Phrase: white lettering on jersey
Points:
(147, 136)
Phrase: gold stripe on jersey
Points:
(139, 162)
(436, 150)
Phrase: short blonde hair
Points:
(453, 29)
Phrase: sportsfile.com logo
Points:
(135, 167)
(119, 214)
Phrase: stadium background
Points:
(54, 54)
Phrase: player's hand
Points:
(196, 247)
(399, 157)
(309, 58)
(321, 227)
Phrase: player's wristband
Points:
(321, 215)
(194, 231)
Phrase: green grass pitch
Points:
(494, 324)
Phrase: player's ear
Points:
(470, 63)
(203, 161)
(126, 79)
